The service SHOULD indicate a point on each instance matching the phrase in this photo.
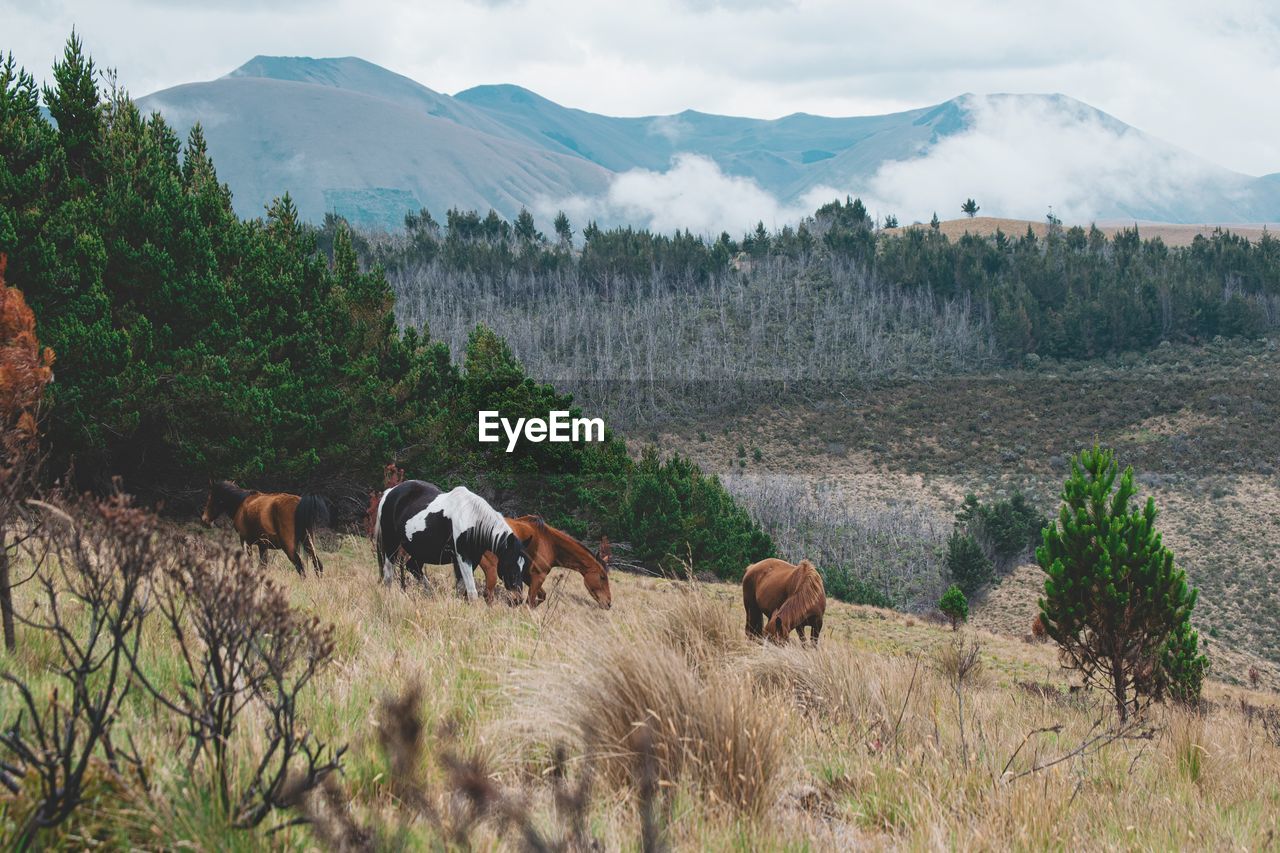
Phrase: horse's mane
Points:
(808, 595)
(484, 519)
(564, 539)
(229, 493)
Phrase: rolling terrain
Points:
(344, 135)
(1196, 425)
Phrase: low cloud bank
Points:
(1019, 156)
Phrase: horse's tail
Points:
(311, 514)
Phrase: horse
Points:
(270, 520)
(548, 547)
(435, 527)
(791, 597)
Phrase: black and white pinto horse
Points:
(435, 528)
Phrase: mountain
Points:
(369, 145)
(349, 136)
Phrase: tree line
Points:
(193, 345)
(636, 322)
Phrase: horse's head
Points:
(775, 631)
(211, 506)
(513, 564)
(598, 581)
(224, 499)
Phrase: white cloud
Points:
(694, 194)
(1022, 156)
(1019, 157)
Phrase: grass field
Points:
(867, 741)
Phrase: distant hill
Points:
(1171, 234)
(349, 136)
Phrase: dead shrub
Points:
(243, 647)
(93, 561)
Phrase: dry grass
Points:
(859, 743)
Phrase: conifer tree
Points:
(954, 605)
(970, 208)
(1113, 599)
(73, 102)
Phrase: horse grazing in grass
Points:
(790, 597)
(270, 520)
(435, 527)
(547, 548)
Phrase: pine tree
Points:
(954, 605)
(564, 232)
(970, 208)
(75, 105)
(967, 563)
(1113, 597)
(934, 223)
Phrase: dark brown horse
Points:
(281, 521)
(547, 548)
(790, 597)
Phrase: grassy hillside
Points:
(864, 742)
(1196, 424)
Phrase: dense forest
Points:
(640, 325)
(193, 345)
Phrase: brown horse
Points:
(547, 548)
(281, 521)
(791, 597)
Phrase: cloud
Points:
(1018, 157)
(694, 194)
(1022, 155)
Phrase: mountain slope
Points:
(347, 135)
(367, 157)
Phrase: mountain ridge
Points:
(346, 135)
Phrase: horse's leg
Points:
(465, 574)
(262, 553)
(315, 555)
(815, 628)
(490, 565)
(292, 554)
(536, 594)
(755, 620)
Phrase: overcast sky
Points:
(1205, 76)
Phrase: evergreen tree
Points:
(967, 563)
(74, 103)
(954, 605)
(891, 221)
(1113, 597)
(564, 232)
(970, 208)
(934, 223)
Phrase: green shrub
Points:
(843, 584)
(954, 605)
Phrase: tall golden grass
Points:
(856, 743)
